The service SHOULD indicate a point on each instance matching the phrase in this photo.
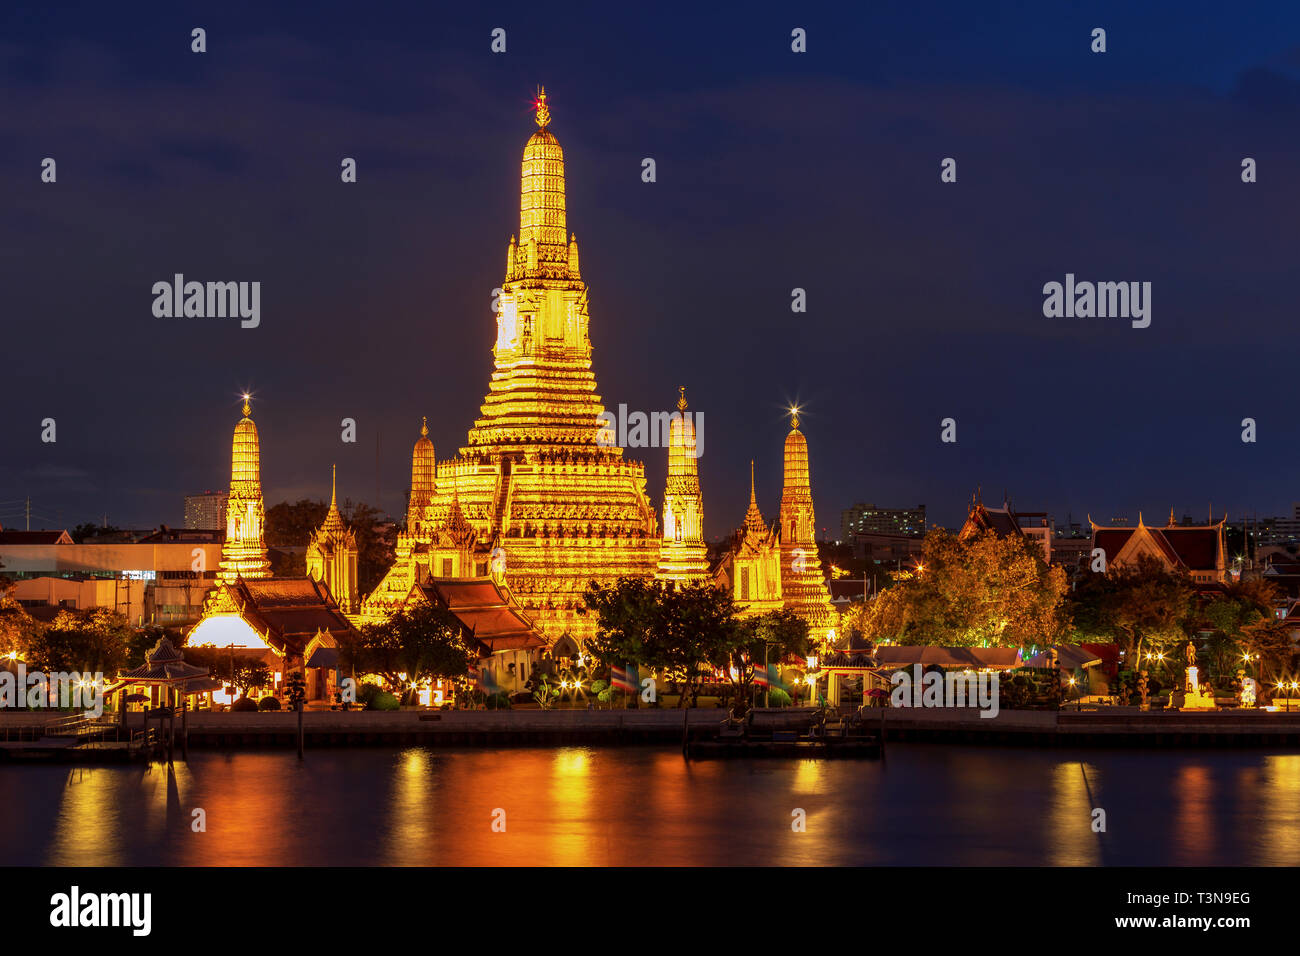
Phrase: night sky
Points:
(775, 170)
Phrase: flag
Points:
(482, 678)
(618, 679)
(633, 677)
(761, 677)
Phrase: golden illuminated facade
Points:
(751, 570)
(244, 551)
(332, 556)
(803, 587)
(547, 506)
(683, 555)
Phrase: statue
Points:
(1143, 690)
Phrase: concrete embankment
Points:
(1113, 727)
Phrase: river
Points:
(925, 804)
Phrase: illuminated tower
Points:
(751, 569)
(552, 507)
(332, 555)
(682, 554)
(244, 552)
(803, 588)
(424, 481)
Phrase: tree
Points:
(982, 591)
(770, 638)
(94, 641)
(422, 641)
(292, 524)
(1135, 606)
(18, 629)
(244, 674)
(677, 630)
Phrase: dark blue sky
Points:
(775, 170)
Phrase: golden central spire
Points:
(424, 426)
(543, 111)
(248, 409)
(794, 416)
(542, 244)
(681, 402)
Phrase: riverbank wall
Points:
(1113, 727)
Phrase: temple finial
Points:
(753, 496)
(681, 402)
(247, 408)
(334, 482)
(543, 111)
(424, 426)
(794, 416)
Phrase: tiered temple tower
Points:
(803, 587)
(332, 555)
(751, 569)
(683, 555)
(244, 552)
(550, 507)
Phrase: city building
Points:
(887, 549)
(150, 577)
(864, 518)
(207, 510)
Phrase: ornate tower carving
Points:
(332, 555)
(803, 588)
(549, 505)
(424, 482)
(244, 552)
(682, 554)
(751, 570)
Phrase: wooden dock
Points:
(76, 739)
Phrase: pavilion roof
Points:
(485, 610)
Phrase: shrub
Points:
(244, 705)
(383, 701)
(499, 701)
(778, 698)
(366, 692)
(268, 703)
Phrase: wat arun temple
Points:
(540, 501)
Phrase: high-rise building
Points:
(206, 511)
(863, 518)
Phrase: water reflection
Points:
(638, 806)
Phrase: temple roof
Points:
(485, 610)
(289, 612)
(1196, 548)
(948, 657)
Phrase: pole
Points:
(299, 705)
(767, 688)
(185, 729)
